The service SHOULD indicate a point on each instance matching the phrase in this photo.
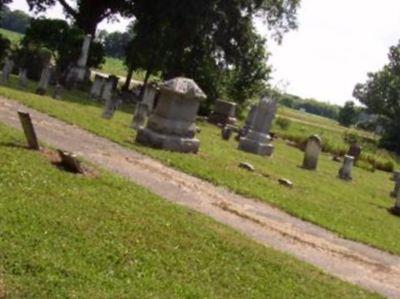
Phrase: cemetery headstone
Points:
(70, 162)
(140, 116)
(23, 77)
(149, 96)
(57, 91)
(45, 80)
(226, 133)
(224, 113)
(7, 69)
(29, 130)
(97, 86)
(109, 88)
(355, 151)
(257, 140)
(312, 152)
(396, 179)
(347, 168)
(396, 208)
(172, 126)
(79, 72)
(111, 106)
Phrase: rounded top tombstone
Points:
(316, 139)
(184, 87)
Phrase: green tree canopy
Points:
(381, 95)
(348, 114)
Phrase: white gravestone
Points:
(23, 77)
(140, 116)
(312, 152)
(97, 86)
(149, 96)
(396, 179)
(345, 173)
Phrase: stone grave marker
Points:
(396, 208)
(109, 88)
(97, 86)
(224, 113)
(79, 72)
(345, 173)
(140, 116)
(70, 162)
(257, 140)
(111, 106)
(29, 130)
(172, 126)
(226, 133)
(149, 96)
(312, 152)
(23, 77)
(45, 80)
(7, 69)
(396, 179)
(57, 91)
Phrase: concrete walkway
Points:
(353, 262)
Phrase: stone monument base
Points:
(173, 143)
(254, 147)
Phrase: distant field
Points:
(14, 37)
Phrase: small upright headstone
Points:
(355, 151)
(396, 208)
(312, 152)
(78, 72)
(109, 88)
(257, 140)
(172, 125)
(226, 133)
(396, 179)
(44, 80)
(224, 113)
(29, 130)
(23, 77)
(140, 116)
(97, 86)
(111, 106)
(149, 96)
(7, 69)
(347, 168)
(57, 91)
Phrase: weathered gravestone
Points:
(396, 208)
(140, 116)
(224, 113)
(111, 106)
(97, 86)
(78, 73)
(355, 151)
(70, 162)
(29, 130)
(226, 133)
(172, 124)
(347, 168)
(312, 152)
(23, 77)
(45, 79)
(109, 88)
(257, 140)
(57, 91)
(396, 179)
(149, 96)
(7, 69)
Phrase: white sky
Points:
(336, 44)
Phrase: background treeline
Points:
(14, 20)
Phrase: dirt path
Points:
(359, 264)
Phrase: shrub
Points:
(283, 123)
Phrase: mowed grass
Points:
(356, 210)
(69, 236)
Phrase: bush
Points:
(5, 45)
(283, 123)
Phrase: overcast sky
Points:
(336, 44)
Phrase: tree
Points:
(3, 3)
(212, 41)
(116, 43)
(63, 41)
(381, 95)
(348, 114)
(87, 14)
(15, 20)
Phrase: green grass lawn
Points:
(356, 210)
(14, 37)
(68, 236)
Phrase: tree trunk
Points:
(128, 80)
